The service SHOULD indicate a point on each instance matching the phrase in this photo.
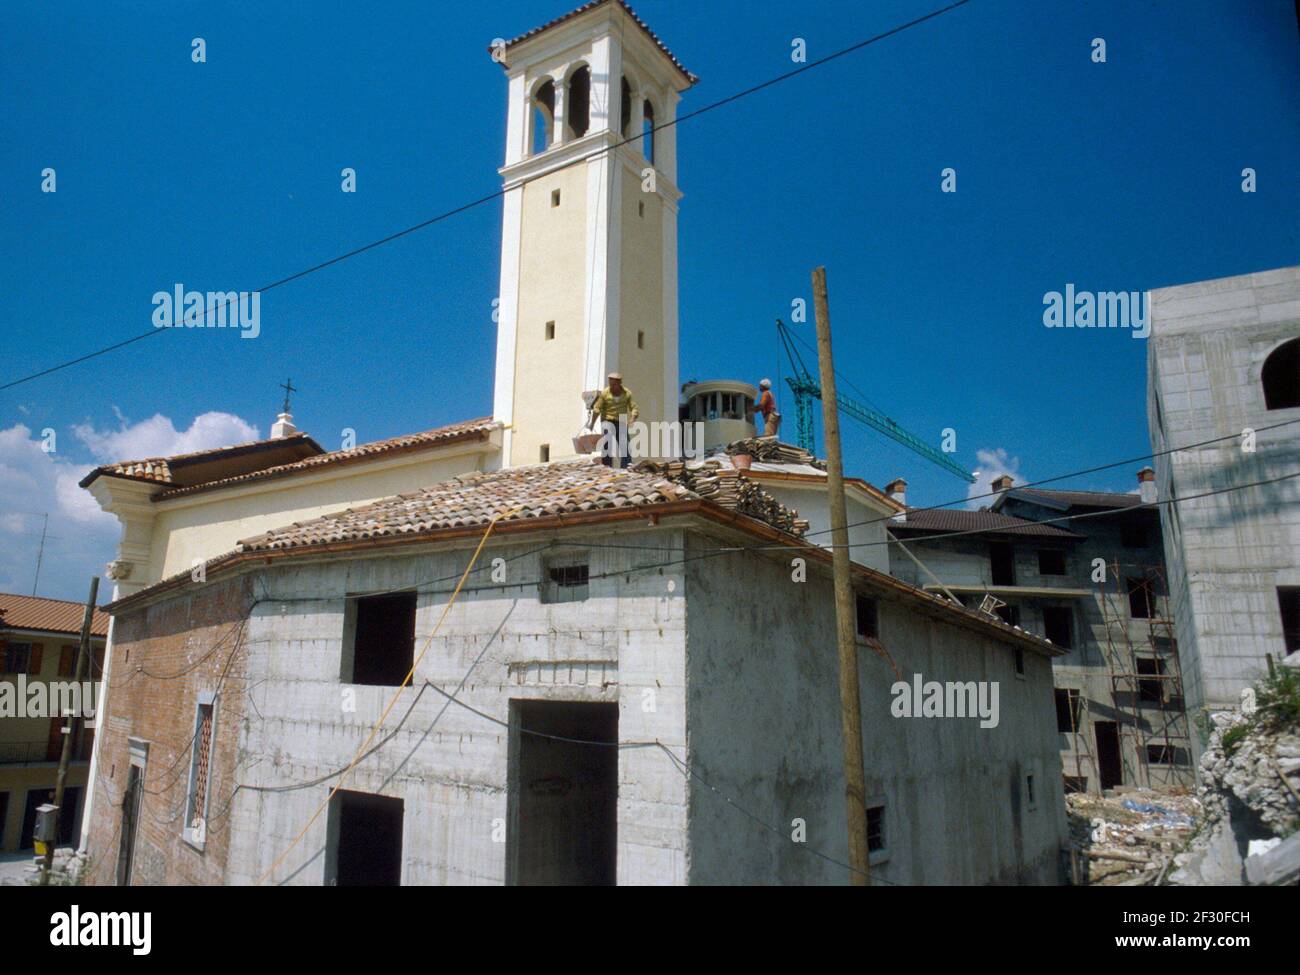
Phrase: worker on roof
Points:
(616, 409)
(767, 406)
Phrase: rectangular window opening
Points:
(1057, 625)
(1051, 562)
(555, 198)
(868, 622)
(1067, 709)
(550, 330)
(1002, 563)
(1139, 598)
(1151, 690)
(381, 648)
(1288, 599)
(201, 749)
(876, 828)
(544, 453)
(565, 580)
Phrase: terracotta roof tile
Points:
(472, 500)
(163, 470)
(1083, 499)
(465, 430)
(960, 520)
(54, 615)
(592, 6)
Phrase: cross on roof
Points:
(288, 388)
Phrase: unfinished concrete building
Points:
(1094, 586)
(631, 663)
(1224, 389)
(638, 655)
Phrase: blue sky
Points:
(225, 175)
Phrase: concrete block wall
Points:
(1227, 554)
(764, 730)
(448, 764)
(965, 561)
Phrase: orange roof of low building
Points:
(48, 615)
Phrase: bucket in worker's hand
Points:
(586, 442)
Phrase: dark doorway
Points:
(1002, 562)
(366, 833)
(563, 793)
(1110, 767)
(130, 823)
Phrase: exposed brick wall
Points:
(199, 634)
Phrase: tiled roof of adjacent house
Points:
(53, 615)
(473, 500)
(1081, 499)
(465, 430)
(961, 520)
(592, 6)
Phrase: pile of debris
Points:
(1250, 775)
(770, 450)
(1128, 839)
(731, 489)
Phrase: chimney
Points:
(1003, 483)
(283, 427)
(897, 491)
(1147, 485)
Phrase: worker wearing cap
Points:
(767, 406)
(613, 405)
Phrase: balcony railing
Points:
(33, 752)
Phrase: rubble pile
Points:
(770, 450)
(1251, 794)
(1129, 840)
(65, 871)
(729, 488)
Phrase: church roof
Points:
(185, 474)
(478, 429)
(529, 35)
(202, 465)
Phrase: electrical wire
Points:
(497, 194)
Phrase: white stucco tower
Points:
(589, 233)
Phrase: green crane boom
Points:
(806, 389)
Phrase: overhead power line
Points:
(497, 194)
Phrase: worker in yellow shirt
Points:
(614, 407)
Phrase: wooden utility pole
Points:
(70, 732)
(845, 607)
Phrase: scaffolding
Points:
(1148, 702)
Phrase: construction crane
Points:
(806, 389)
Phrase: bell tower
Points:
(589, 232)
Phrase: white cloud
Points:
(992, 465)
(81, 538)
(158, 437)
